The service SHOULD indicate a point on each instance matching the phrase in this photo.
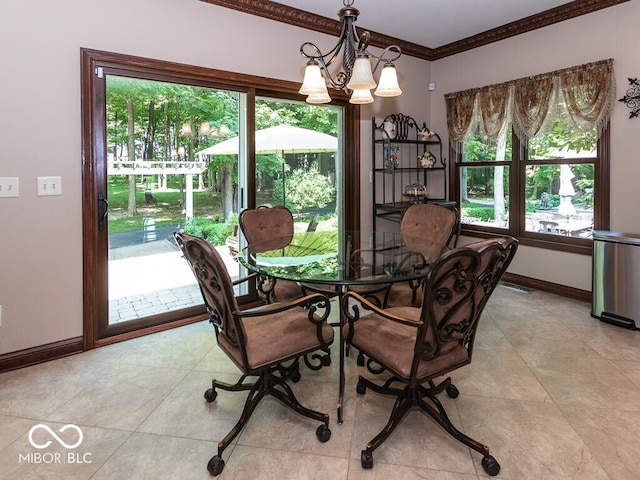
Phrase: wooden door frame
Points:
(95, 281)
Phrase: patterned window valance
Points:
(581, 97)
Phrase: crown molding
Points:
(300, 18)
(544, 19)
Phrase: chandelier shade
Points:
(322, 97)
(361, 76)
(357, 73)
(388, 86)
(361, 96)
(313, 82)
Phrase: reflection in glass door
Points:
(159, 180)
(299, 161)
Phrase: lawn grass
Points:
(167, 210)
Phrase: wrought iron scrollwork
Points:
(632, 98)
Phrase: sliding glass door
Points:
(177, 154)
(158, 182)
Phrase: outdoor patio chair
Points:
(548, 226)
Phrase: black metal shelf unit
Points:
(405, 154)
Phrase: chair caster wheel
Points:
(452, 391)
(323, 433)
(215, 465)
(326, 360)
(366, 459)
(360, 360)
(361, 388)
(490, 465)
(210, 395)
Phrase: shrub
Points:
(212, 231)
(483, 213)
(306, 188)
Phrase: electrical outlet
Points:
(9, 187)
(49, 186)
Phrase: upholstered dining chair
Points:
(428, 229)
(273, 228)
(418, 345)
(271, 223)
(260, 341)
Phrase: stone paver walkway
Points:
(151, 278)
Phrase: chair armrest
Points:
(312, 302)
(244, 279)
(354, 315)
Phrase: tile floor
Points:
(552, 391)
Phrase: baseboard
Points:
(63, 348)
(548, 287)
(40, 354)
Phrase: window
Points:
(532, 157)
(186, 104)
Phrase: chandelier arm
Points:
(341, 78)
(363, 39)
(390, 49)
(333, 52)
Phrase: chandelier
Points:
(356, 77)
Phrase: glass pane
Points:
(477, 148)
(561, 142)
(159, 181)
(559, 199)
(296, 160)
(483, 196)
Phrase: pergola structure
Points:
(148, 167)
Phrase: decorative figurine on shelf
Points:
(427, 160)
(390, 129)
(391, 160)
(416, 192)
(425, 134)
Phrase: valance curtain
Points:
(580, 97)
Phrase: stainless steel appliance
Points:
(616, 278)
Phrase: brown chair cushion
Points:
(276, 337)
(427, 228)
(398, 349)
(272, 227)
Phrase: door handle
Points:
(103, 209)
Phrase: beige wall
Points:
(610, 33)
(41, 237)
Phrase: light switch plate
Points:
(49, 186)
(9, 187)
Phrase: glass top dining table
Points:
(341, 258)
(335, 262)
